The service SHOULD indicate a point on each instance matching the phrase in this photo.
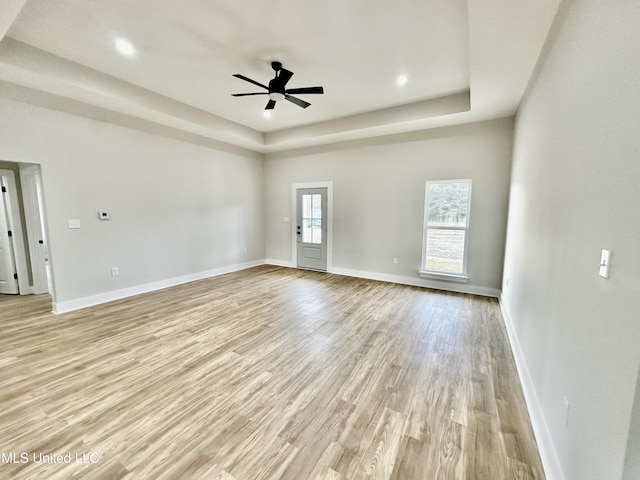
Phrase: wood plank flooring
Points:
(268, 373)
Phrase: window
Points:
(446, 229)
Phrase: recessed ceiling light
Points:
(125, 47)
(401, 80)
(266, 113)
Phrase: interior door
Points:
(311, 228)
(8, 282)
(34, 220)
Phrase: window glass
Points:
(448, 204)
(446, 226)
(445, 250)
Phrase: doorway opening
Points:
(24, 253)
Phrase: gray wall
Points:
(379, 197)
(632, 460)
(574, 191)
(177, 208)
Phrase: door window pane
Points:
(316, 201)
(317, 231)
(307, 233)
(312, 218)
(306, 206)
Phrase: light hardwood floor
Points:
(269, 373)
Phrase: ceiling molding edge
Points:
(368, 123)
(418, 135)
(31, 67)
(10, 11)
(64, 105)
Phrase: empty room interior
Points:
(320, 240)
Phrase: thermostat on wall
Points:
(104, 215)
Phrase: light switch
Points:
(605, 263)
(74, 223)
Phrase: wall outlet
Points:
(73, 223)
(104, 216)
(394, 260)
(115, 272)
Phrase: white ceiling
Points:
(466, 60)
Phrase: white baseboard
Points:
(550, 461)
(415, 282)
(419, 282)
(279, 263)
(84, 302)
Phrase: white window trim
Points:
(435, 274)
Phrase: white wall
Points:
(574, 191)
(378, 187)
(178, 209)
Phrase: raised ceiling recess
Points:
(466, 61)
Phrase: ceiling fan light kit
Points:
(276, 89)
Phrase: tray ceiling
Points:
(465, 61)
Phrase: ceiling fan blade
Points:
(305, 90)
(284, 76)
(247, 79)
(270, 105)
(297, 101)
(247, 94)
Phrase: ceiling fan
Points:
(276, 90)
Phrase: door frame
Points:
(294, 215)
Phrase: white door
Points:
(34, 220)
(8, 278)
(311, 228)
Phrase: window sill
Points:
(449, 277)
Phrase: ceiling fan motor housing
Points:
(276, 90)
